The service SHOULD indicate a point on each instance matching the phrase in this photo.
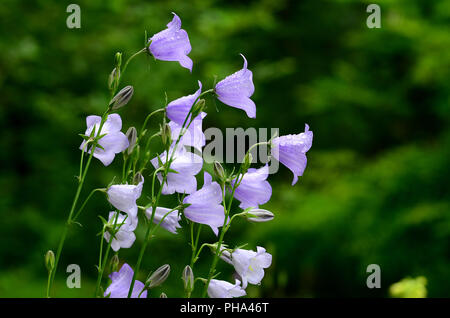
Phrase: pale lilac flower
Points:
(250, 265)
(222, 289)
(177, 110)
(235, 90)
(113, 142)
(186, 164)
(121, 282)
(205, 205)
(123, 197)
(172, 44)
(254, 188)
(193, 136)
(291, 150)
(124, 237)
(171, 222)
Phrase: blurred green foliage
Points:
(376, 189)
(409, 288)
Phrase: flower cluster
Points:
(175, 170)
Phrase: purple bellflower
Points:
(235, 90)
(123, 197)
(254, 188)
(112, 143)
(222, 289)
(171, 222)
(124, 237)
(121, 282)
(250, 265)
(291, 150)
(186, 164)
(172, 44)
(205, 205)
(193, 136)
(178, 109)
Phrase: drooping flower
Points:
(254, 188)
(193, 136)
(123, 197)
(177, 110)
(235, 90)
(291, 150)
(121, 282)
(205, 205)
(186, 164)
(223, 289)
(250, 265)
(170, 222)
(114, 141)
(124, 237)
(172, 44)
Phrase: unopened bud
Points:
(159, 276)
(259, 215)
(247, 162)
(122, 97)
(219, 171)
(132, 136)
(50, 260)
(188, 278)
(112, 78)
(198, 107)
(166, 134)
(163, 295)
(114, 263)
(118, 59)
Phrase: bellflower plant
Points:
(254, 188)
(204, 205)
(236, 89)
(114, 141)
(172, 44)
(171, 168)
(291, 151)
(222, 289)
(124, 238)
(120, 283)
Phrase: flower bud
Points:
(112, 78)
(198, 107)
(188, 278)
(122, 97)
(118, 59)
(166, 134)
(132, 136)
(219, 171)
(114, 263)
(247, 162)
(159, 276)
(259, 215)
(163, 295)
(49, 260)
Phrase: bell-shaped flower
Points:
(291, 150)
(114, 141)
(172, 44)
(222, 289)
(177, 110)
(121, 282)
(186, 164)
(171, 221)
(193, 136)
(205, 205)
(123, 197)
(254, 188)
(124, 237)
(250, 265)
(235, 90)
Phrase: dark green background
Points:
(376, 189)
